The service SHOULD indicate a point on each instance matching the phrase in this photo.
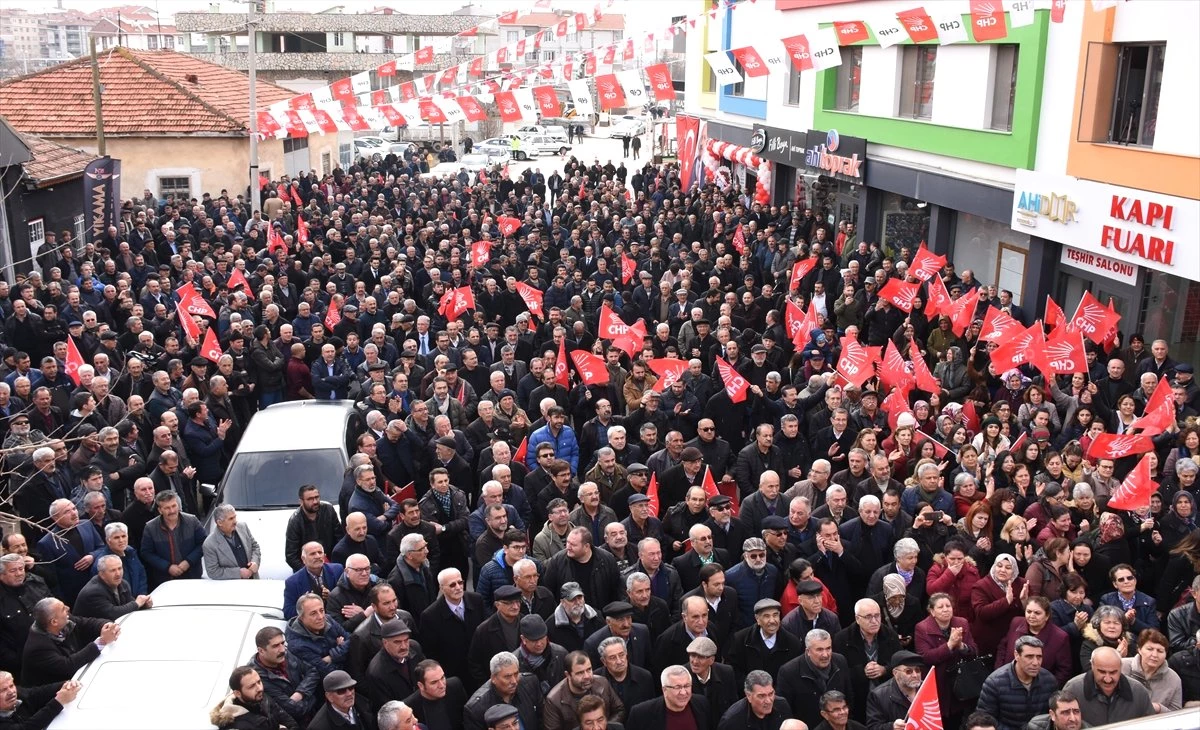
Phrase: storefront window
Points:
(1171, 311)
(905, 222)
(995, 253)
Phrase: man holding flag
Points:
(891, 702)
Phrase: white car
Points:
(285, 446)
(536, 145)
(178, 654)
(494, 147)
(370, 146)
(476, 162)
(628, 128)
(552, 131)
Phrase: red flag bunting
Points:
(1065, 353)
(532, 296)
(547, 101)
(925, 713)
(850, 32)
(987, 21)
(238, 279)
(751, 62)
(899, 293)
(1118, 446)
(1160, 410)
(797, 49)
(424, 56)
(661, 86)
(919, 26)
(925, 264)
(609, 92)
(925, 379)
(998, 326)
(386, 69)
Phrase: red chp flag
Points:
(925, 713)
(1058, 11)
(668, 370)
(532, 296)
(1160, 410)
(332, 317)
(736, 386)
(507, 106)
(628, 269)
(970, 416)
(424, 56)
(547, 101)
(962, 311)
(472, 109)
(652, 493)
(609, 92)
(752, 63)
(926, 265)
(301, 229)
(74, 360)
(508, 225)
(1118, 445)
(455, 302)
(1135, 492)
(899, 293)
(190, 329)
(1093, 319)
(939, 301)
(522, 451)
(591, 368)
(856, 362)
(193, 303)
(739, 240)
(1065, 353)
(480, 251)
(895, 404)
(661, 86)
(275, 241)
(987, 20)
(998, 325)
(797, 50)
(851, 32)
(238, 279)
(893, 371)
(210, 349)
(925, 379)
(800, 269)
(1054, 313)
(918, 25)
(561, 375)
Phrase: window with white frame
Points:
(37, 234)
(326, 163)
(180, 187)
(849, 80)
(78, 226)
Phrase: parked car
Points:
(494, 147)
(553, 131)
(627, 128)
(536, 145)
(209, 627)
(286, 445)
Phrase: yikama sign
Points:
(1122, 225)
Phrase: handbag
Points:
(967, 677)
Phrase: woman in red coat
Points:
(955, 574)
(996, 600)
(1056, 644)
(943, 640)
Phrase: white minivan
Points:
(285, 446)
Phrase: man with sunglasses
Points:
(343, 708)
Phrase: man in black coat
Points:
(677, 697)
(285, 675)
(367, 639)
(20, 591)
(688, 565)
(671, 647)
(759, 708)
(506, 686)
(710, 679)
(604, 586)
(33, 708)
(342, 700)
(59, 645)
(721, 600)
(632, 683)
(439, 700)
(804, 679)
(391, 672)
(499, 632)
(107, 595)
(448, 634)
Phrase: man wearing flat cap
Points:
(762, 645)
(888, 704)
(538, 655)
(502, 717)
(343, 709)
(500, 632)
(618, 619)
(390, 673)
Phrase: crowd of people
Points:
(518, 545)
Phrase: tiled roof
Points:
(108, 26)
(52, 161)
(608, 21)
(146, 93)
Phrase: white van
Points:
(285, 446)
(172, 663)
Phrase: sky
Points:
(640, 15)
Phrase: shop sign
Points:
(784, 146)
(1136, 227)
(1097, 264)
(843, 158)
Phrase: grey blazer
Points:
(219, 562)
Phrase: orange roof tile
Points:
(146, 93)
(52, 161)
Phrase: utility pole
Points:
(251, 66)
(96, 98)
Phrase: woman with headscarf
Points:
(1013, 391)
(900, 611)
(996, 600)
(1111, 543)
(1179, 521)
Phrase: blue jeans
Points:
(269, 397)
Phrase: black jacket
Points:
(527, 699)
(96, 600)
(688, 566)
(51, 659)
(721, 690)
(327, 719)
(606, 585)
(639, 685)
(885, 705)
(451, 706)
(301, 677)
(747, 652)
(16, 618)
(447, 639)
(37, 710)
(385, 678)
(325, 529)
(849, 643)
(800, 685)
(653, 714)
(488, 641)
(231, 713)
(739, 717)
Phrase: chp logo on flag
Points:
(1065, 354)
(669, 370)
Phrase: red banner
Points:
(752, 63)
(1135, 492)
(926, 265)
(851, 32)
(687, 131)
(661, 86)
(797, 49)
(547, 101)
(899, 293)
(1118, 446)
(856, 362)
(735, 385)
(800, 270)
(210, 349)
(507, 106)
(919, 26)
(668, 370)
(987, 21)
(591, 368)
(609, 92)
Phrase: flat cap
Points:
(507, 593)
(808, 588)
(905, 658)
(703, 646)
(766, 604)
(394, 627)
(691, 453)
(337, 679)
(636, 498)
(774, 522)
(447, 441)
(498, 713)
(570, 590)
(533, 627)
(719, 500)
(636, 467)
(618, 609)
